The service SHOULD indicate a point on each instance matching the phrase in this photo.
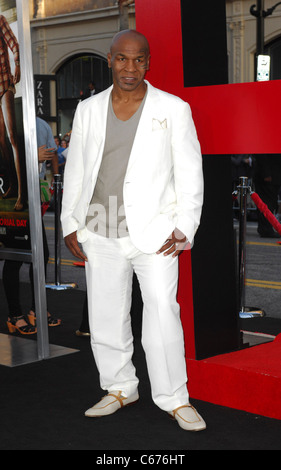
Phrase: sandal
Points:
(26, 329)
(52, 321)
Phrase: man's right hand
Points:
(72, 244)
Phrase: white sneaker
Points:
(111, 403)
(188, 418)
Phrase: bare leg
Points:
(8, 110)
(12, 189)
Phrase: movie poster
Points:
(14, 216)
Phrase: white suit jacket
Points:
(163, 186)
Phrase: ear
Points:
(109, 60)
(148, 63)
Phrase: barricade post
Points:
(58, 190)
(58, 285)
(243, 190)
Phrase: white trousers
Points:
(109, 274)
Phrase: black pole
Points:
(58, 195)
(243, 192)
(244, 312)
(258, 11)
(260, 27)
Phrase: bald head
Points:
(129, 35)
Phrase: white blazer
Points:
(163, 186)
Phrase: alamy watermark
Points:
(110, 221)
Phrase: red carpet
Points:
(248, 380)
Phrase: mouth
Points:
(129, 80)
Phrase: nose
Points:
(130, 65)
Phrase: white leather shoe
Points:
(110, 404)
(188, 418)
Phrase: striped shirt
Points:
(7, 40)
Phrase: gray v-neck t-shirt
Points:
(106, 215)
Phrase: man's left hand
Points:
(45, 153)
(174, 245)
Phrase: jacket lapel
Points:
(152, 110)
(99, 112)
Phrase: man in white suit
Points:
(133, 194)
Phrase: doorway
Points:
(73, 78)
